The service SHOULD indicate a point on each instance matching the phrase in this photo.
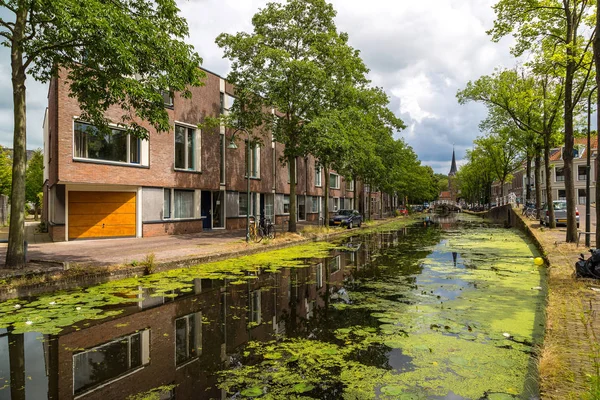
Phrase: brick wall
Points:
(171, 228)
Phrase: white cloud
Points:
(420, 52)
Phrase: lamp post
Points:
(587, 172)
(232, 145)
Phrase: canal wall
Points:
(507, 216)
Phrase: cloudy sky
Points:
(420, 52)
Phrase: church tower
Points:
(453, 166)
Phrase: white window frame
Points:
(284, 203)
(350, 185)
(289, 174)
(318, 175)
(198, 337)
(140, 144)
(171, 217)
(337, 181)
(197, 167)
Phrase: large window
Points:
(179, 204)
(167, 204)
(186, 148)
(115, 146)
(226, 103)
(318, 175)
(315, 205)
(188, 338)
(106, 362)
(334, 181)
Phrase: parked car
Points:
(560, 213)
(349, 218)
(401, 210)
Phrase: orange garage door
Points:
(101, 214)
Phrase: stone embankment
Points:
(569, 360)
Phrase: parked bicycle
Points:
(263, 229)
(530, 212)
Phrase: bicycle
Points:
(264, 229)
(531, 213)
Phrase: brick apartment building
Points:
(183, 181)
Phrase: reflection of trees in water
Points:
(16, 350)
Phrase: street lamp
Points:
(588, 170)
(232, 145)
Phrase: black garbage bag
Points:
(589, 268)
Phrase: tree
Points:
(118, 52)
(533, 102)
(554, 26)
(293, 62)
(34, 180)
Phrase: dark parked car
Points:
(349, 218)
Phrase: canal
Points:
(449, 308)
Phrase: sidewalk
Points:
(571, 352)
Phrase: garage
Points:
(101, 214)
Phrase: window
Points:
(562, 194)
(226, 103)
(318, 175)
(115, 146)
(255, 307)
(334, 181)
(109, 361)
(334, 203)
(582, 197)
(254, 160)
(167, 204)
(167, 96)
(243, 201)
(315, 204)
(560, 174)
(350, 185)
(186, 146)
(184, 204)
(334, 264)
(188, 338)
(581, 172)
(286, 204)
(319, 273)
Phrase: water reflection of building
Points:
(161, 341)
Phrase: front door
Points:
(218, 209)
(205, 210)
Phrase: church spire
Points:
(453, 169)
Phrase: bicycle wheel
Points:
(252, 232)
(271, 231)
(260, 232)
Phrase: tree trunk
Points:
(369, 202)
(293, 214)
(538, 182)
(569, 140)
(326, 195)
(528, 172)
(597, 64)
(552, 221)
(16, 355)
(15, 254)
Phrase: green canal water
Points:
(443, 309)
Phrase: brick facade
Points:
(66, 173)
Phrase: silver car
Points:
(560, 213)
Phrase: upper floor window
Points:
(109, 361)
(581, 172)
(167, 96)
(318, 175)
(227, 101)
(560, 174)
(187, 148)
(350, 185)
(115, 146)
(334, 181)
(188, 338)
